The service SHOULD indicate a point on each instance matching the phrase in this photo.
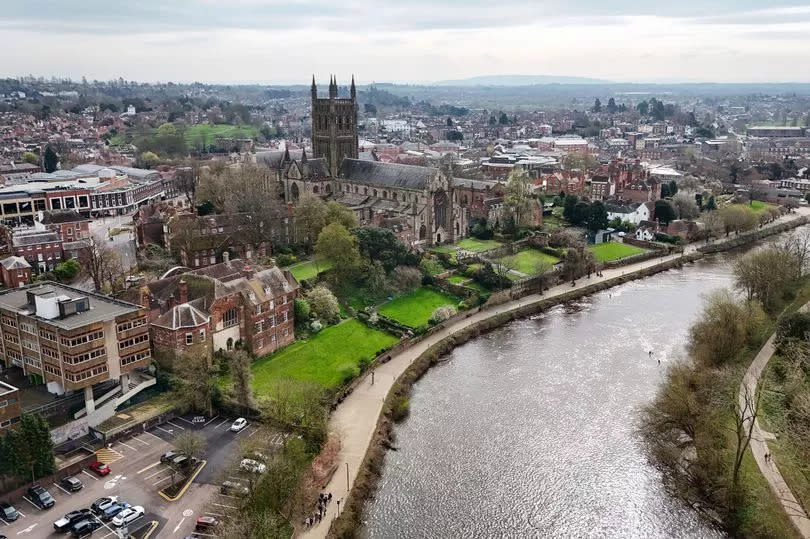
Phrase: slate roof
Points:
(35, 238)
(15, 262)
(315, 168)
(276, 159)
(182, 316)
(54, 217)
(386, 174)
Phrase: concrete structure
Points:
(9, 406)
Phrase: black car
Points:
(169, 456)
(41, 497)
(101, 504)
(112, 510)
(85, 527)
(66, 523)
(8, 512)
(71, 484)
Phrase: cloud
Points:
(419, 40)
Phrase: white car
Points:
(128, 515)
(239, 424)
(252, 466)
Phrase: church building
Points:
(419, 203)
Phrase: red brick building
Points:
(43, 250)
(69, 224)
(15, 271)
(183, 330)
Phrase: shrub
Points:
(482, 231)
(323, 304)
(364, 363)
(440, 314)
(285, 259)
(400, 408)
(302, 310)
(406, 278)
(316, 326)
(430, 267)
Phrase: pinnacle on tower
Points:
(353, 90)
(333, 89)
(314, 88)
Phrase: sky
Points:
(408, 41)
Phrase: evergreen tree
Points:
(673, 188)
(597, 106)
(611, 106)
(504, 119)
(50, 160)
(664, 211)
(568, 207)
(597, 217)
(711, 205)
(43, 448)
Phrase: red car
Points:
(100, 468)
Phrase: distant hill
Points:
(518, 80)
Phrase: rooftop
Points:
(101, 308)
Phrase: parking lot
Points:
(137, 475)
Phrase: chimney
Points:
(226, 257)
(145, 296)
(172, 301)
(183, 292)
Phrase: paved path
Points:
(759, 444)
(355, 419)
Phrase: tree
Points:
(611, 106)
(31, 158)
(568, 207)
(440, 314)
(745, 418)
(339, 246)
(341, 214)
(713, 223)
(597, 217)
(738, 218)
(191, 444)
(673, 188)
(302, 310)
(517, 199)
(323, 304)
(101, 262)
(664, 212)
(310, 218)
(454, 135)
(382, 244)
(686, 206)
(711, 205)
(504, 119)
(449, 122)
(581, 213)
(577, 262)
(725, 327)
(242, 375)
(597, 106)
(643, 108)
(148, 159)
(406, 278)
(50, 160)
(766, 274)
(194, 383)
(66, 271)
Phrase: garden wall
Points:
(753, 236)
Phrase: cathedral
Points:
(419, 203)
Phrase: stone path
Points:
(355, 419)
(759, 444)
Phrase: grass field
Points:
(607, 252)
(468, 244)
(208, 133)
(309, 269)
(527, 260)
(414, 309)
(757, 206)
(458, 279)
(324, 358)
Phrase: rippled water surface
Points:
(528, 431)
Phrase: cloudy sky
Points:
(285, 41)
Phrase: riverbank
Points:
(363, 419)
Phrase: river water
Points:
(528, 431)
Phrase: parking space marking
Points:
(222, 505)
(88, 474)
(21, 513)
(113, 532)
(29, 501)
(213, 514)
(184, 419)
(176, 425)
(164, 430)
(210, 421)
(147, 468)
(241, 431)
(62, 489)
(198, 534)
(108, 455)
(229, 496)
(162, 480)
(179, 524)
(252, 433)
(4, 522)
(139, 440)
(129, 446)
(154, 474)
(225, 421)
(153, 436)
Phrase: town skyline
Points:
(263, 42)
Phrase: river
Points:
(528, 431)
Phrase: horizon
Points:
(274, 43)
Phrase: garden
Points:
(309, 269)
(608, 252)
(329, 358)
(415, 308)
(529, 261)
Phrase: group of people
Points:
(323, 501)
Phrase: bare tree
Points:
(241, 363)
(745, 416)
(194, 383)
(101, 263)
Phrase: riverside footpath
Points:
(355, 419)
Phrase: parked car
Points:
(65, 524)
(232, 488)
(100, 468)
(128, 515)
(71, 484)
(85, 528)
(205, 524)
(111, 511)
(41, 497)
(101, 504)
(169, 456)
(252, 466)
(239, 424)
(8, 512)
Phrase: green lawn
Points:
(324, 358)
(414, 309)
(208, 133)
(527, 260)
(309, 269)
(607, 252)
(468, 244)
(458, 279)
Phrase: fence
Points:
(73, 468)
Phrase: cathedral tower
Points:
(334, 125)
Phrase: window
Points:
(28, 327)
(260, 343)
(272, 321)
(286, 331)
(137, 339)
(87, 356)
(126, 360)
(81, 339)
(189, 338)
(230, 318)
(129, 324)
(286, 315)
(202, 335)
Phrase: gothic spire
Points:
(353, 90)
(314, 88)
